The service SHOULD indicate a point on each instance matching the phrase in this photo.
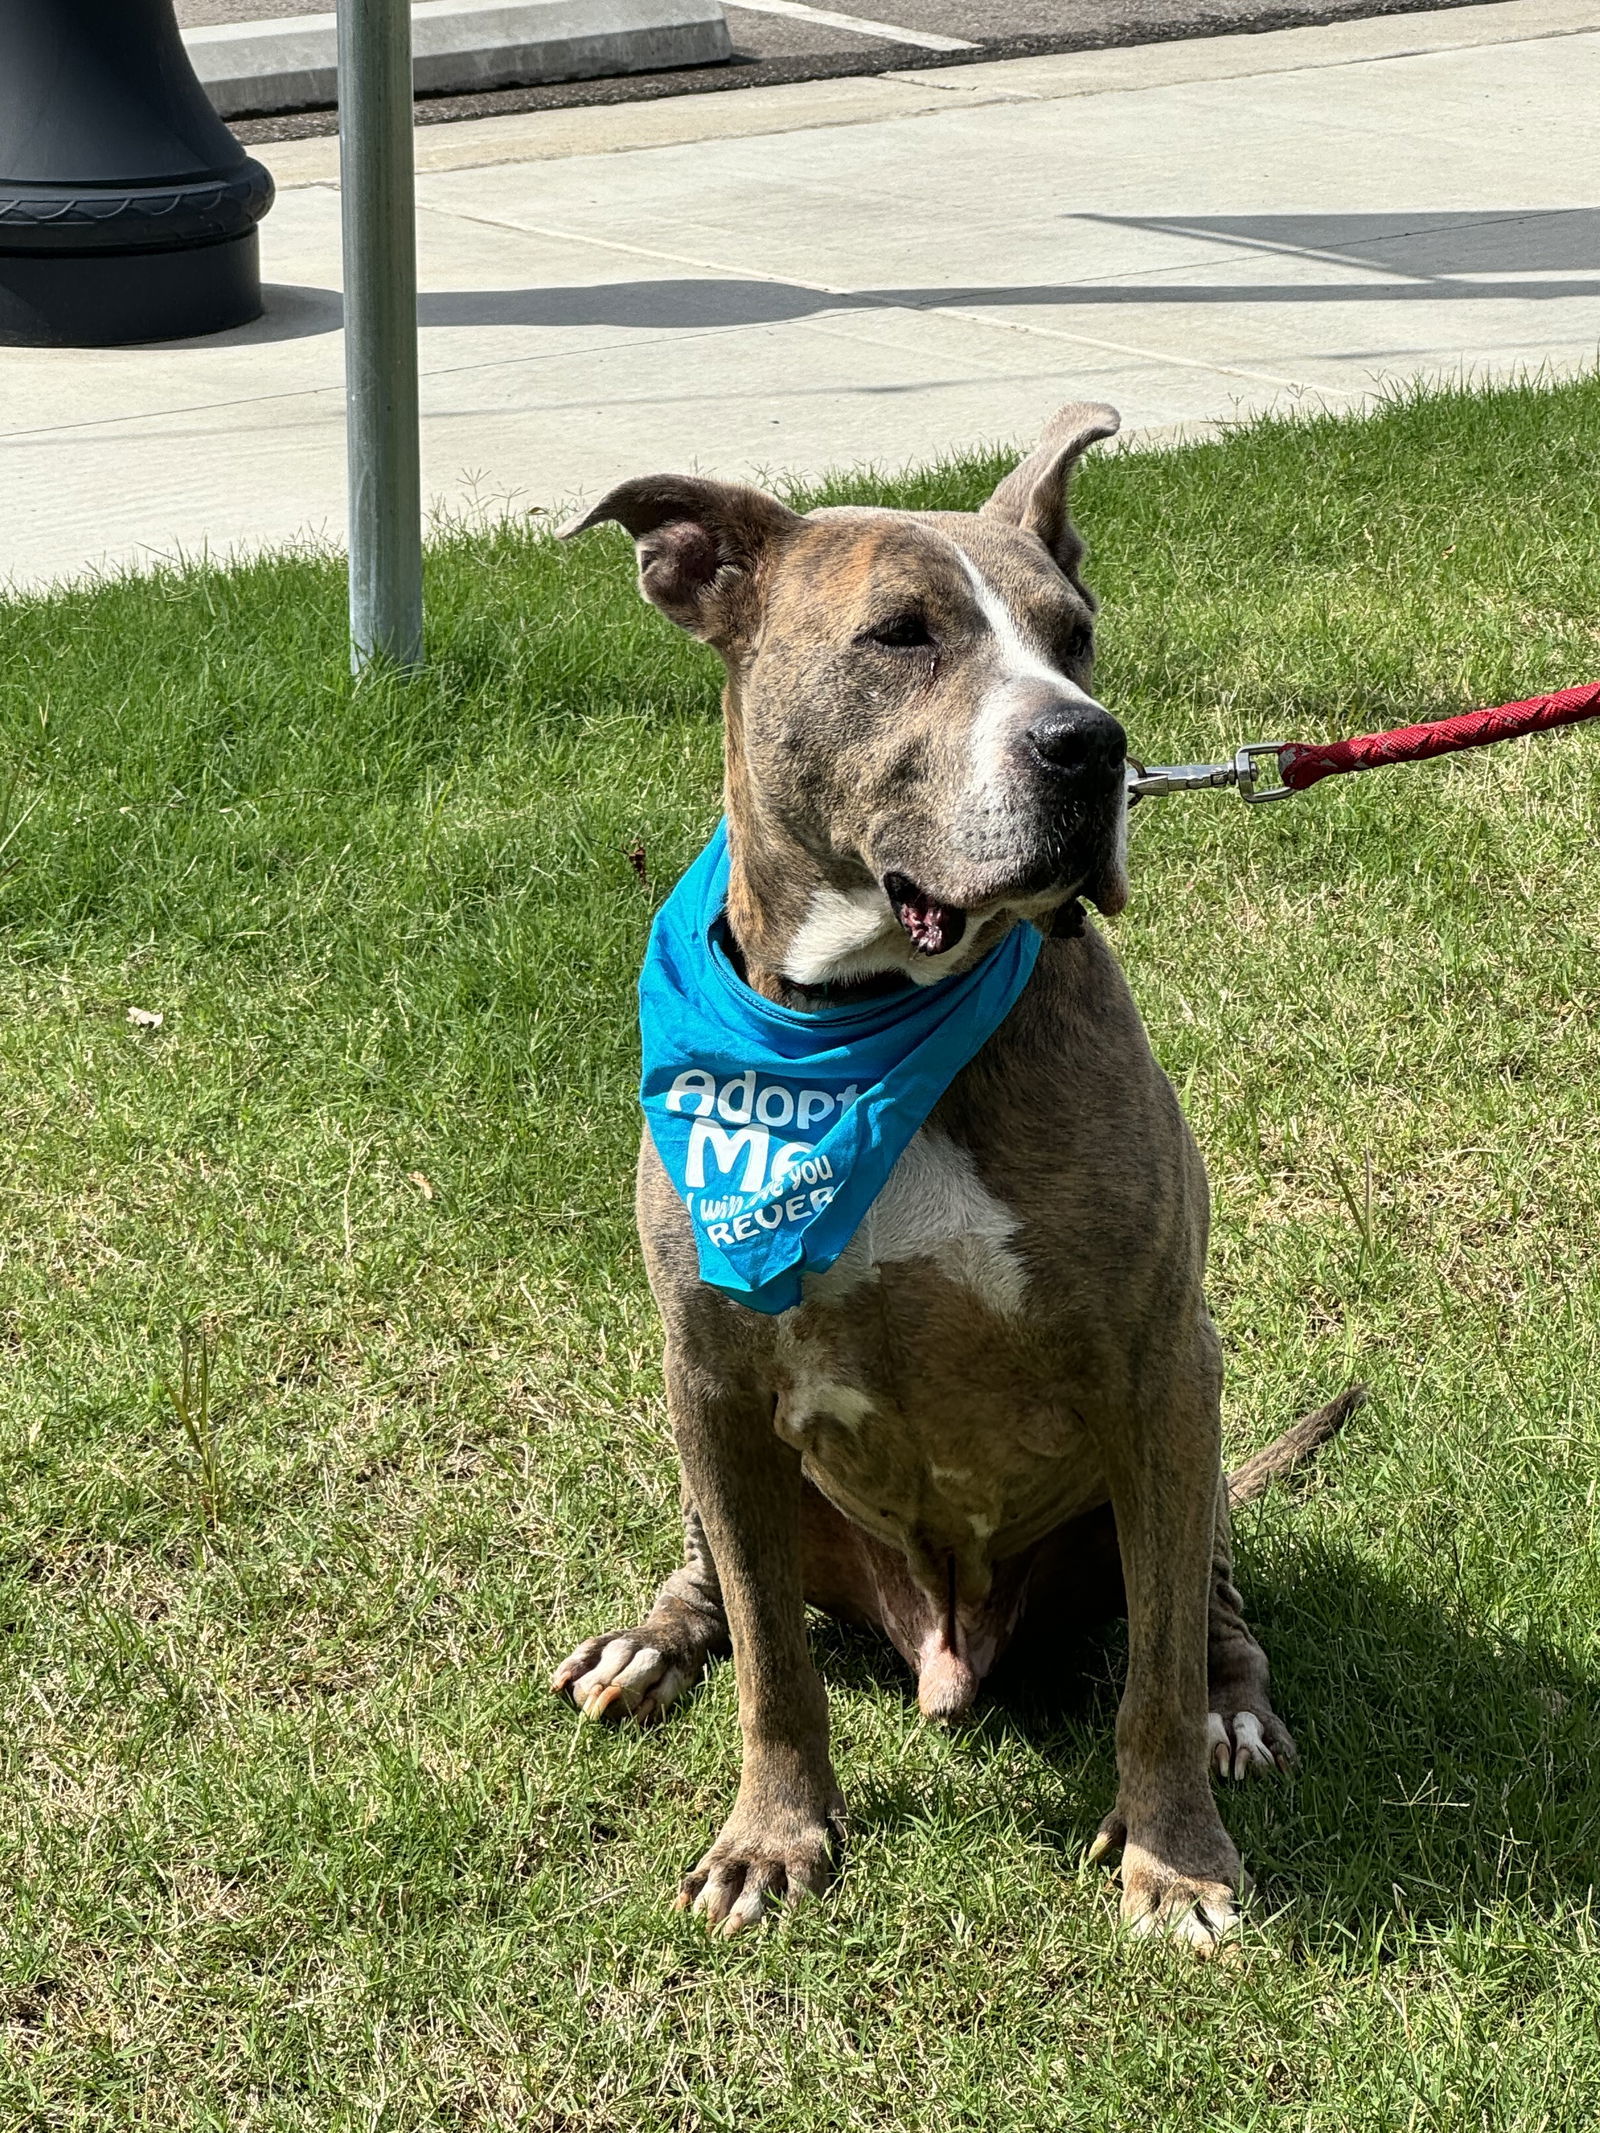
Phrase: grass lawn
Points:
(293, 1835)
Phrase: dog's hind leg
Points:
(1078, 1579)
(1244, 1733)
(636, 1673)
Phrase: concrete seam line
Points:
(864, 302)
(888, 32)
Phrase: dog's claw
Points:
(746, 1912)
(1240, 1746)
(751, 1870)
(736, 1895)
(1192, 1910)
(1207, 1930)
(624, 1676)
(1110, 1837)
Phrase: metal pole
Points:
(380, 332)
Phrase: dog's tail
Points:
(1297, 1444)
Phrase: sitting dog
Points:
(999, 1399)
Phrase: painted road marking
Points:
(891, 32)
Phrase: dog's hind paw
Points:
(1242, 1744)
(621, 1676)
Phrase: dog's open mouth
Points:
(931, 927)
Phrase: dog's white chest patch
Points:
(934, 1206)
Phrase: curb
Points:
(251, 69)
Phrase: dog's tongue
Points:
(933, 928)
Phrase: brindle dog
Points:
(1003, 1399)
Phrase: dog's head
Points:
(915, 755)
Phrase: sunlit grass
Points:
(293, 1835)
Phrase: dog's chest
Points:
(909, 1382)
(935, 1207)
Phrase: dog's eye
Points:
(901, 633)
(1079, 644)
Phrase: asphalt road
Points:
(781, 47)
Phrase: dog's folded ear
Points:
(700, 546)
(1033, 495)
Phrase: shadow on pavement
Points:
(1430, 258)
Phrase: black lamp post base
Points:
(128, 211)
(112, 299)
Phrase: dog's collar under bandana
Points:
(779, 1128)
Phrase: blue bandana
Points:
(778, 1128)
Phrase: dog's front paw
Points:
(772, 1853)
(1241, 1744)
(625, 1675)
(1193, 1906)
(1192, 1911)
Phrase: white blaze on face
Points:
(1000, 721)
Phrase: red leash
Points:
(1300, 765)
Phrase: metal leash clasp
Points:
(1159, 781)
(1251, 790)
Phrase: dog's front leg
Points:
(778, 1841)
(1180, 1871)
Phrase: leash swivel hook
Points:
(1161, 780)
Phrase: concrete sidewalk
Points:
(871, 270)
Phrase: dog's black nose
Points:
(1078, 739)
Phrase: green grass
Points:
(293, 1836)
